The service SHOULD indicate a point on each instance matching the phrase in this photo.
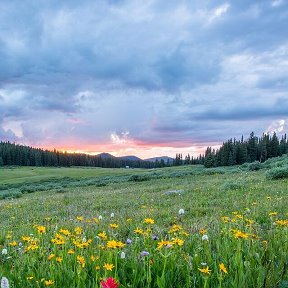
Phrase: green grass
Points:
(246, 198)
(16, 174)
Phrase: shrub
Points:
(277, 173)
(233, 185)
(254, 166)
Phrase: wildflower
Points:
(205, 270)
(112, 215)
(66, 232)
(181, 211)
(122, 255)
(115, 244)
(102, 235)
(59, 259)
(281, 222)
(128, 241)
(223, 268)
(79, 218)
(71, 251)
(205, 237)
(225, 219)
(175, 228)
(164, 243)
(155, 237)
(108, 266)
(202, 231)
(49, 282)
(4, 282)
(78, 230)
(29, 277)
(114, 225)
(100, 217)
(273, 214)
(97, 267)
(50, 257)
(81, 260)
(41, 229)
(238, 234)
(138, 231)
(4, 251)
(13, 243)
(144, 253)
(149, 221)
(109, 283)
(178, 242)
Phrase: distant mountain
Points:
(105, 155)
(166, 159)
(131, 158)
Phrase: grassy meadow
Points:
(171, 227)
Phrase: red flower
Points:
(109, 283)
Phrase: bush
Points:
(277, 173)
(140, 178)
(233, 185)
(11, 193)
(254, 166)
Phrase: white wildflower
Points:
(122, 255)
(4, 282)
(4, 251)
(112, 215)
(205, 237)
(100, 217)
(181, 211)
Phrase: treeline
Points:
(20, 155)
(237, 152)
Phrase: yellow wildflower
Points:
(48, 282)
(149, 221)
(178, 241)
(102, 235)
(51, 256)
(239, 234)
(175, 228)
(115, 244)
(59, 259)
(223, 268)
(113, 225)
(164, 243)
(108, 267)
(81, 260)
(78, 230)
(41, 229)
(205, 270)
(138, 231)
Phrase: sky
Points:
(142, 77)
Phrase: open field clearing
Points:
(184, 227)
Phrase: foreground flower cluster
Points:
(117, 251)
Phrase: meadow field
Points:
(172, 227)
